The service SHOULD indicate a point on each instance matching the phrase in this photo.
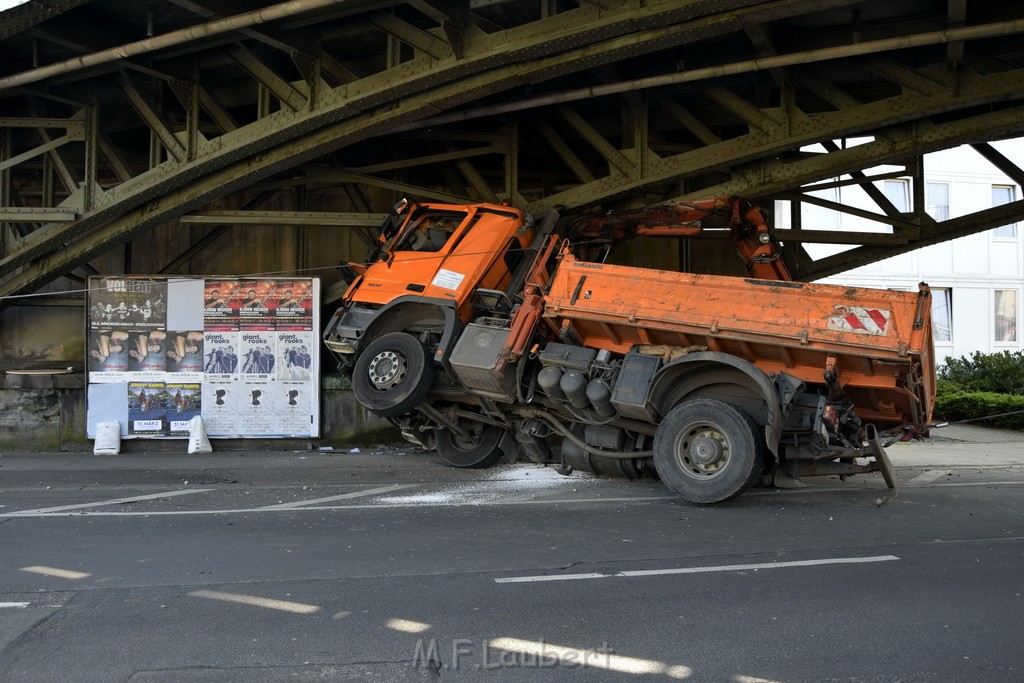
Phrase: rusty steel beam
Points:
(944, 231)
(333, 219)
(185, 35)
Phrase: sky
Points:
(7, 4)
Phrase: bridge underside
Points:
(183, 121)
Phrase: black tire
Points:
(392, 375)
(482, 448)
(707, 451)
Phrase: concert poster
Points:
(294, 310)
(257, 356)
(259, 303)
(220, 399)
(127, 303)
(184, 401)
(147, 408)
(294, 355)
(221, 303)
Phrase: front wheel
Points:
(707, 451)
(480, 447)
(392, 375)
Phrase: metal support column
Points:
(155, 146)
(192, 114)
(635, 132)
(92, 136)
(262, 101)
(917, 205)
(512, 163)
(5, 186)
(49, 190)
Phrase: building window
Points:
(897, 192)
(816, 217)
(1006, 315)
(1003, 194)
(937, 200)
(942, 315)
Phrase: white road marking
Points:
(116, 501)
(406, 625)
(59, 573)
(362, 506)
(14, 604)
(299, 507)
(928, 477)
(343, 496)
(698, 570)
(256, 601)
(849, 489)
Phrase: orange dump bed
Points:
(881, 339)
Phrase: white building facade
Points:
(977, 282)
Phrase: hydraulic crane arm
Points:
(745, 223)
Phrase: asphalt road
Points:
(387, 566)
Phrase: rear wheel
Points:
(392, 375)
(480, 447)
(707, 451)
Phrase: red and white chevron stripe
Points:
(860, 320)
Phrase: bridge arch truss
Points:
(121, 119)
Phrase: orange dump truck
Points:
(480, 332)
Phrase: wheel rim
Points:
(479, 447)
(387, 370)
(702, 451)
(474, 434)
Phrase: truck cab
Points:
(432, 262)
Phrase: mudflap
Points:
(881, 457)
(781, 479)
(509, 446)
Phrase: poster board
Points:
(239, 352)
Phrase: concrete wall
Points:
(47, 413)
(42, 413)
(42, 335)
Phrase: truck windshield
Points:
(426, 230)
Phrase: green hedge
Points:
(1000, 373)
(967, 405)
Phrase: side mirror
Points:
(392, 222)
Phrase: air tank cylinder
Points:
(548, 379)
(600, 396)
(574, 385)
